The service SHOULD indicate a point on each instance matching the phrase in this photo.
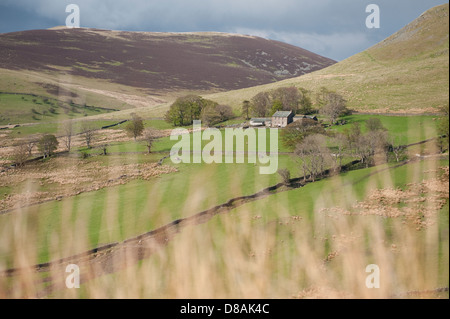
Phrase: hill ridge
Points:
(158, 61)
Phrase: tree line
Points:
(47, 144)
(186, 109)
(317, 149)
(330, 104)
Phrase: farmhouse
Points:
(282, 118)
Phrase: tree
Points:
(20, 154)
(334, 107)
(213, 114)
(135, 126)
(371, 145)
(225, 112)
(67, 133)
(292, 99)
(30, 143)
(104, 148)
(246, 109)
(277, 105)
(313, 155)
(187, 109)
(285, 175)
(281, 99)
(261, 104)
(341, 143)
(149, 136)
(305, 106)
(47, 145)
(88, 133)
(352, 135)
(397, 149)
(210, 116)
(288, 97)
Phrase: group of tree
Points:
(371, 147)
(282, 99)
(330, 104)
(136, 129)
(317, 150)
(47, 144)
(185, 110)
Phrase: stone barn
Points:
(282, 118)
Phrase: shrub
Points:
(285, 175)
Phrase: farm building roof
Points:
(260, 119)
(282, 114)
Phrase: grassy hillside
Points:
(407, 72)
(23, 108)
(142, 69)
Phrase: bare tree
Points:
(104, 148)
(67, 133)
(285, 175)
(20, 154)
(371, 145)
(341, 142)
(88, 133)
(214, 114)
(335, 106)
(397, 149)
(31, 143)
(149, 136)
(314, 156)
(352, 135)
(225, 112)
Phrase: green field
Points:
(22, 108)
(403, 129)
(74, 224)
(118, 213)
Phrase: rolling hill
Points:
(146, 68)
(407, 72)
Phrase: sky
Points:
(332, 28)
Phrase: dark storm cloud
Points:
(331, 28)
